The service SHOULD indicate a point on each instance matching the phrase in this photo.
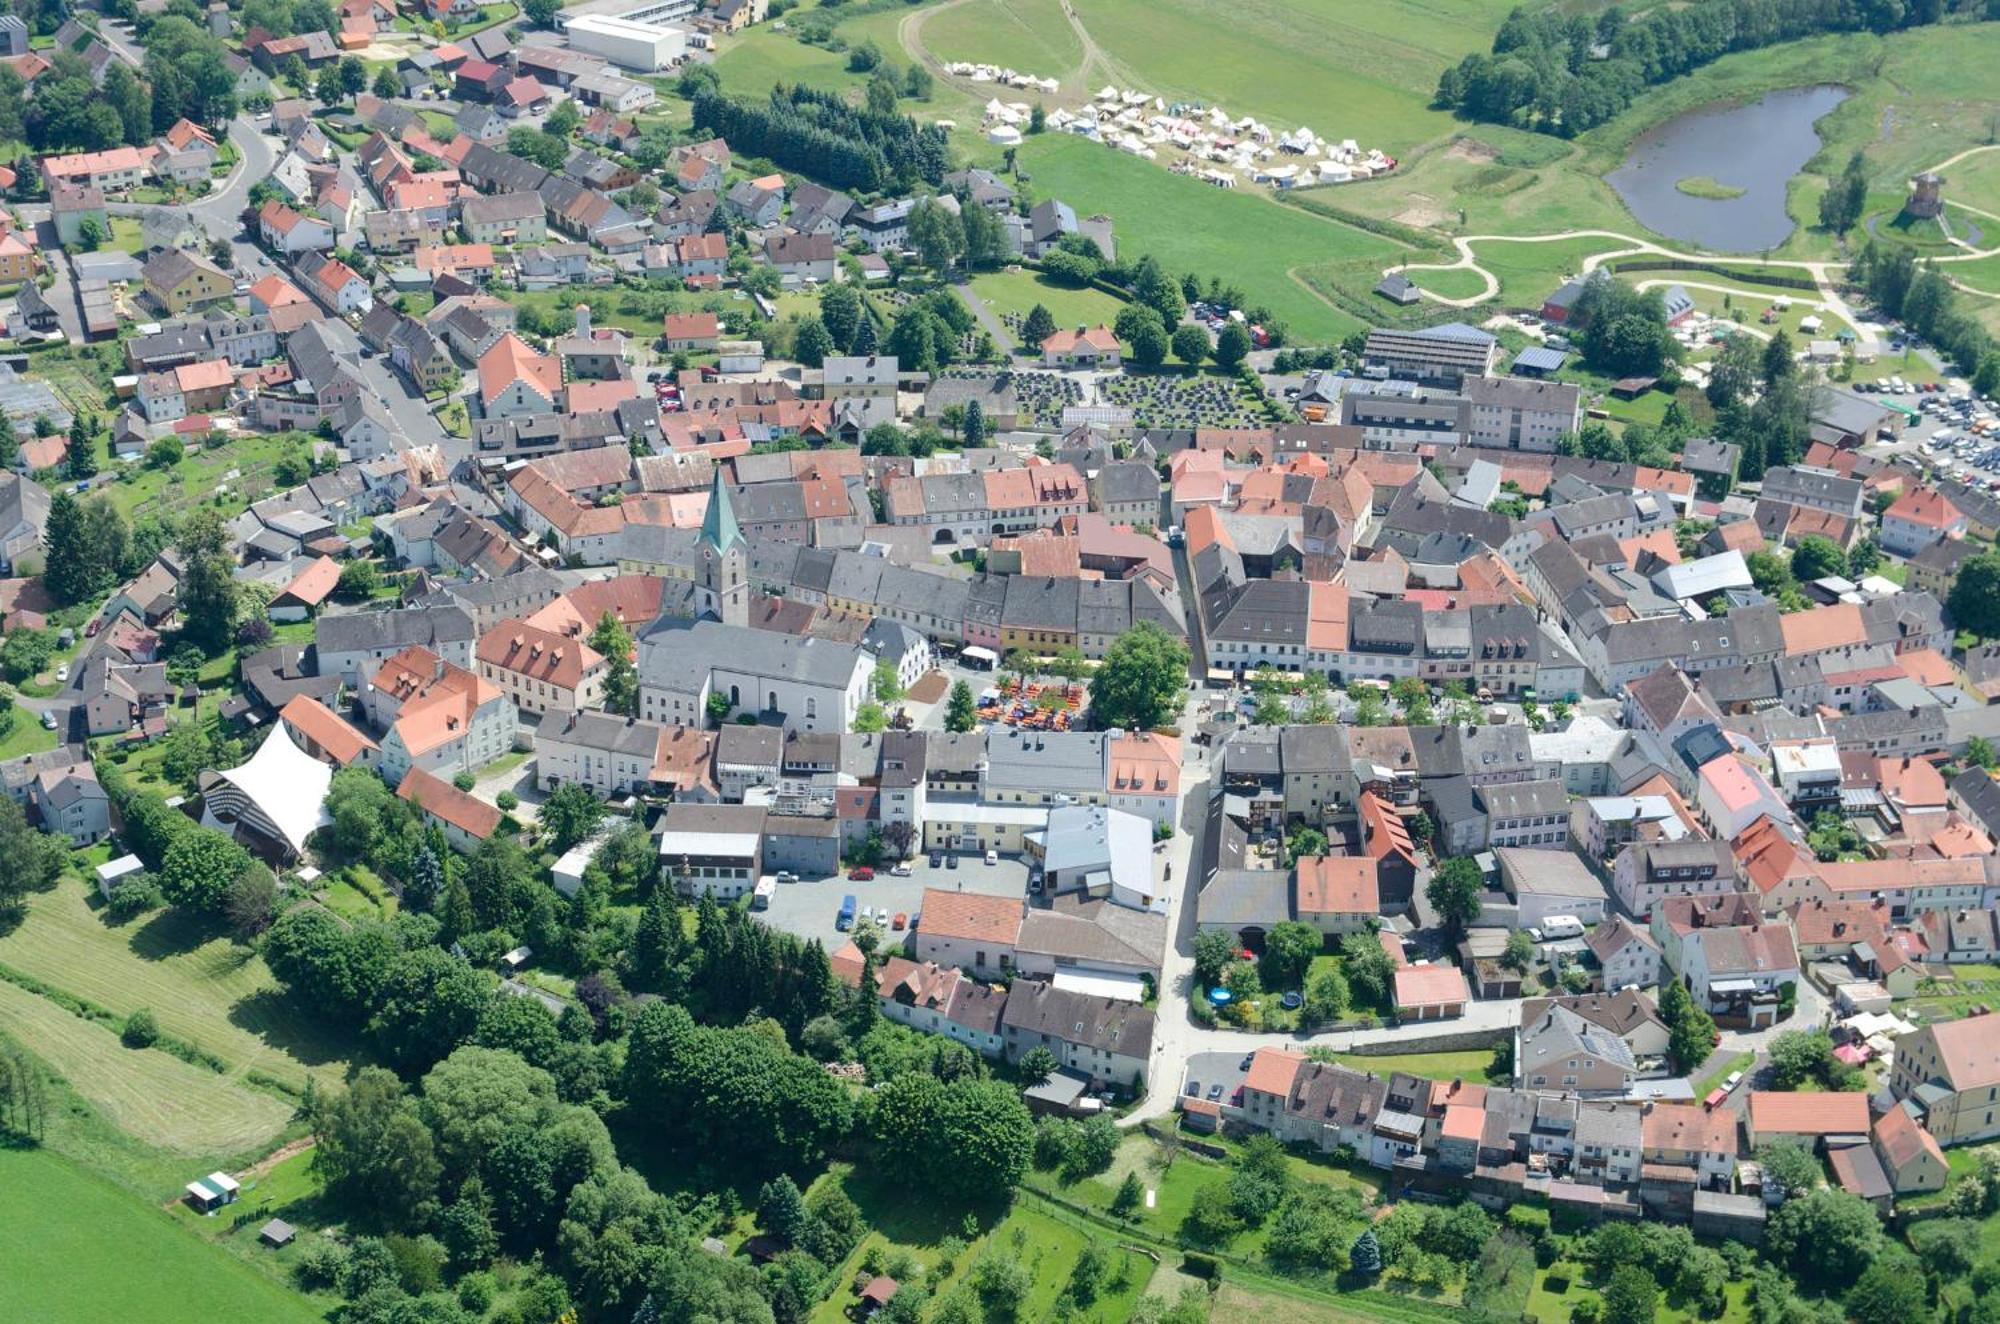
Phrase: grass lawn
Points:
(56, 1218)
(1550, 1306)
(1018, 290)
(1449, 284)
(1269, 58)
(754, 62)
(1030, 36)
(202, 986)
(127, 235)
(1740, 1062)
(27, 737)
(153, 1097)
(1469, 1065)
(242, 466)
(1248, 240)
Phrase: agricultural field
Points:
(201, 986)
(155, 1098)
(52, 1212)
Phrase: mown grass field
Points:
(1030, 36)
(1020, 290)
(153, 1097)
(1975, 181)
(1365, 72)
(1189, 226)
(201, 986)
(76, 1250)
(1047, 1241)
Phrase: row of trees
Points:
(822, 134)
(1920, 295)
(1544, 71)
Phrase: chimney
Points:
(583, 319)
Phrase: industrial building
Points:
(629, 44)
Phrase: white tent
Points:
(280, 792)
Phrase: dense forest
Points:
(1565, 73)
(819, 134)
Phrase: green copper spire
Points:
(718, 526)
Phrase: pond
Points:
(1755, 146)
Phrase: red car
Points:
(864, 874)
(900, 922)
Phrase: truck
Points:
(845, 919)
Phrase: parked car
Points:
(902, 870)
(993, 857)
(937, 859)
(861, 874)
(900, 921)
(48, 721)
(1194, 1089)
(62, 672)
(1215, 1092)
(951, 861)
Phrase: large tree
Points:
(209, 600)
(570, 814)
(969, 1139)
(34, 859)
(373, 1150)
(1974, 601)
(1140, 684)
(200, 868)
(428, 1005)
(621, 678)
(1454, 892)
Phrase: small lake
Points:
(1756, 146)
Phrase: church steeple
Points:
(719, 530)
(724, 590)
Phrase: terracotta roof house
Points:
(325, 735)
(465, 819)
(516, 378)
(542, 671)
(1910, 1156)
(1337, 894)
(969, 930)
(1084, 347)
(1775, 1115)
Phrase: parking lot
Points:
(808, 908)
(1216, 1076)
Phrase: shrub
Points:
(137, 894)
(464, 781)
(1197, 1265)
(140, 1031)
(319, 1266)
(507, 800)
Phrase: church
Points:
(788, 681)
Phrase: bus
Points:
(845, 919)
